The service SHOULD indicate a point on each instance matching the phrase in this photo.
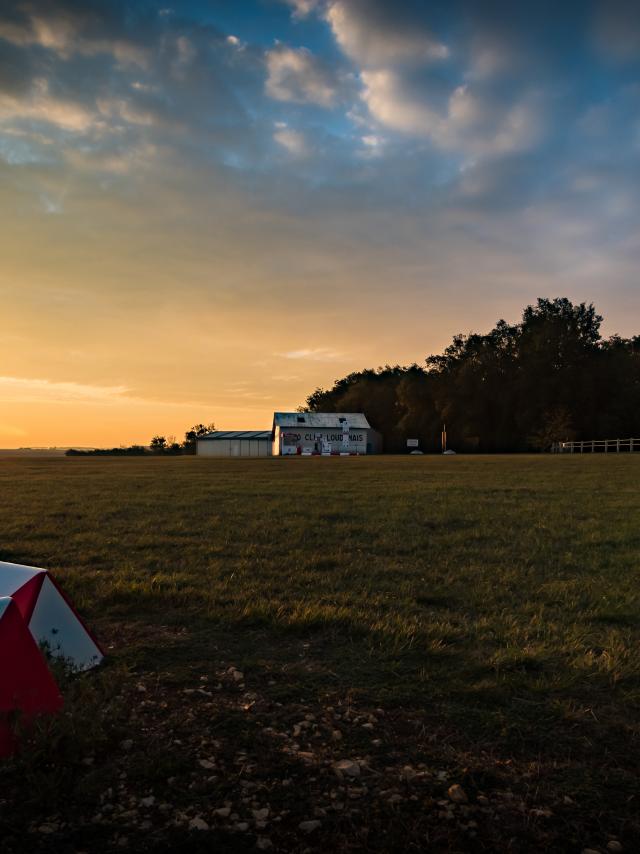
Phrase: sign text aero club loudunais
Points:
(312, 437)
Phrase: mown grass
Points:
(497, 595)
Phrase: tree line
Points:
(158, 446)
(551, 377)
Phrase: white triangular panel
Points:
(54, 622)
(13, 576)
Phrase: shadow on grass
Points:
(526, 705)
(616, 618)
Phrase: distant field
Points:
(476, 619)
(32, 452)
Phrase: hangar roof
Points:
(236, 434)
(334, 420)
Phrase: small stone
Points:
(542, 813)
(614, 845)
(237, 675)
(223, 812)
(367, 726)
(457, 794)
(590, 851)
(242, 826)
(347, 767)
(206, 763)
(309, 826)
(198, 824)
(263, 843)
(127, 744)
(47, 828)
(148, 801)
(336, 735)
(261, 815)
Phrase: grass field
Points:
(468, 621)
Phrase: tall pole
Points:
(443, 438)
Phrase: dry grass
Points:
(494, 599)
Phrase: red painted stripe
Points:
(27, 686)
(26, 596)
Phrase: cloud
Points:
(52, 205)
(390, 104)
(186, 52)
(470, 122)
(41, 106)
(489, 60)
(294, 141)
(616, 30)
(199, 97)
(21, 390)
(296, 75)
(412, 82)
(313, 354)
(67, 29)
(373, 145)
(136, 158)
(127, 110)
(375, 34)
(303, 8)
(18, 390)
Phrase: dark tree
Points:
(519, 387)
(158, 444)
(189, 444)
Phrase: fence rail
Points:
(597, 446)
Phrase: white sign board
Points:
(412, 443)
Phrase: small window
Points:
(300, 419)
(341, 420)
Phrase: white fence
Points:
(597, 446)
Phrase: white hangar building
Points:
(302, 433)
(324, 433)
(234, 443)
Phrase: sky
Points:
(209, 209)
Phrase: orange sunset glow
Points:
(208, 213)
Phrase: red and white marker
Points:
(50, 616)
(27, 687)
